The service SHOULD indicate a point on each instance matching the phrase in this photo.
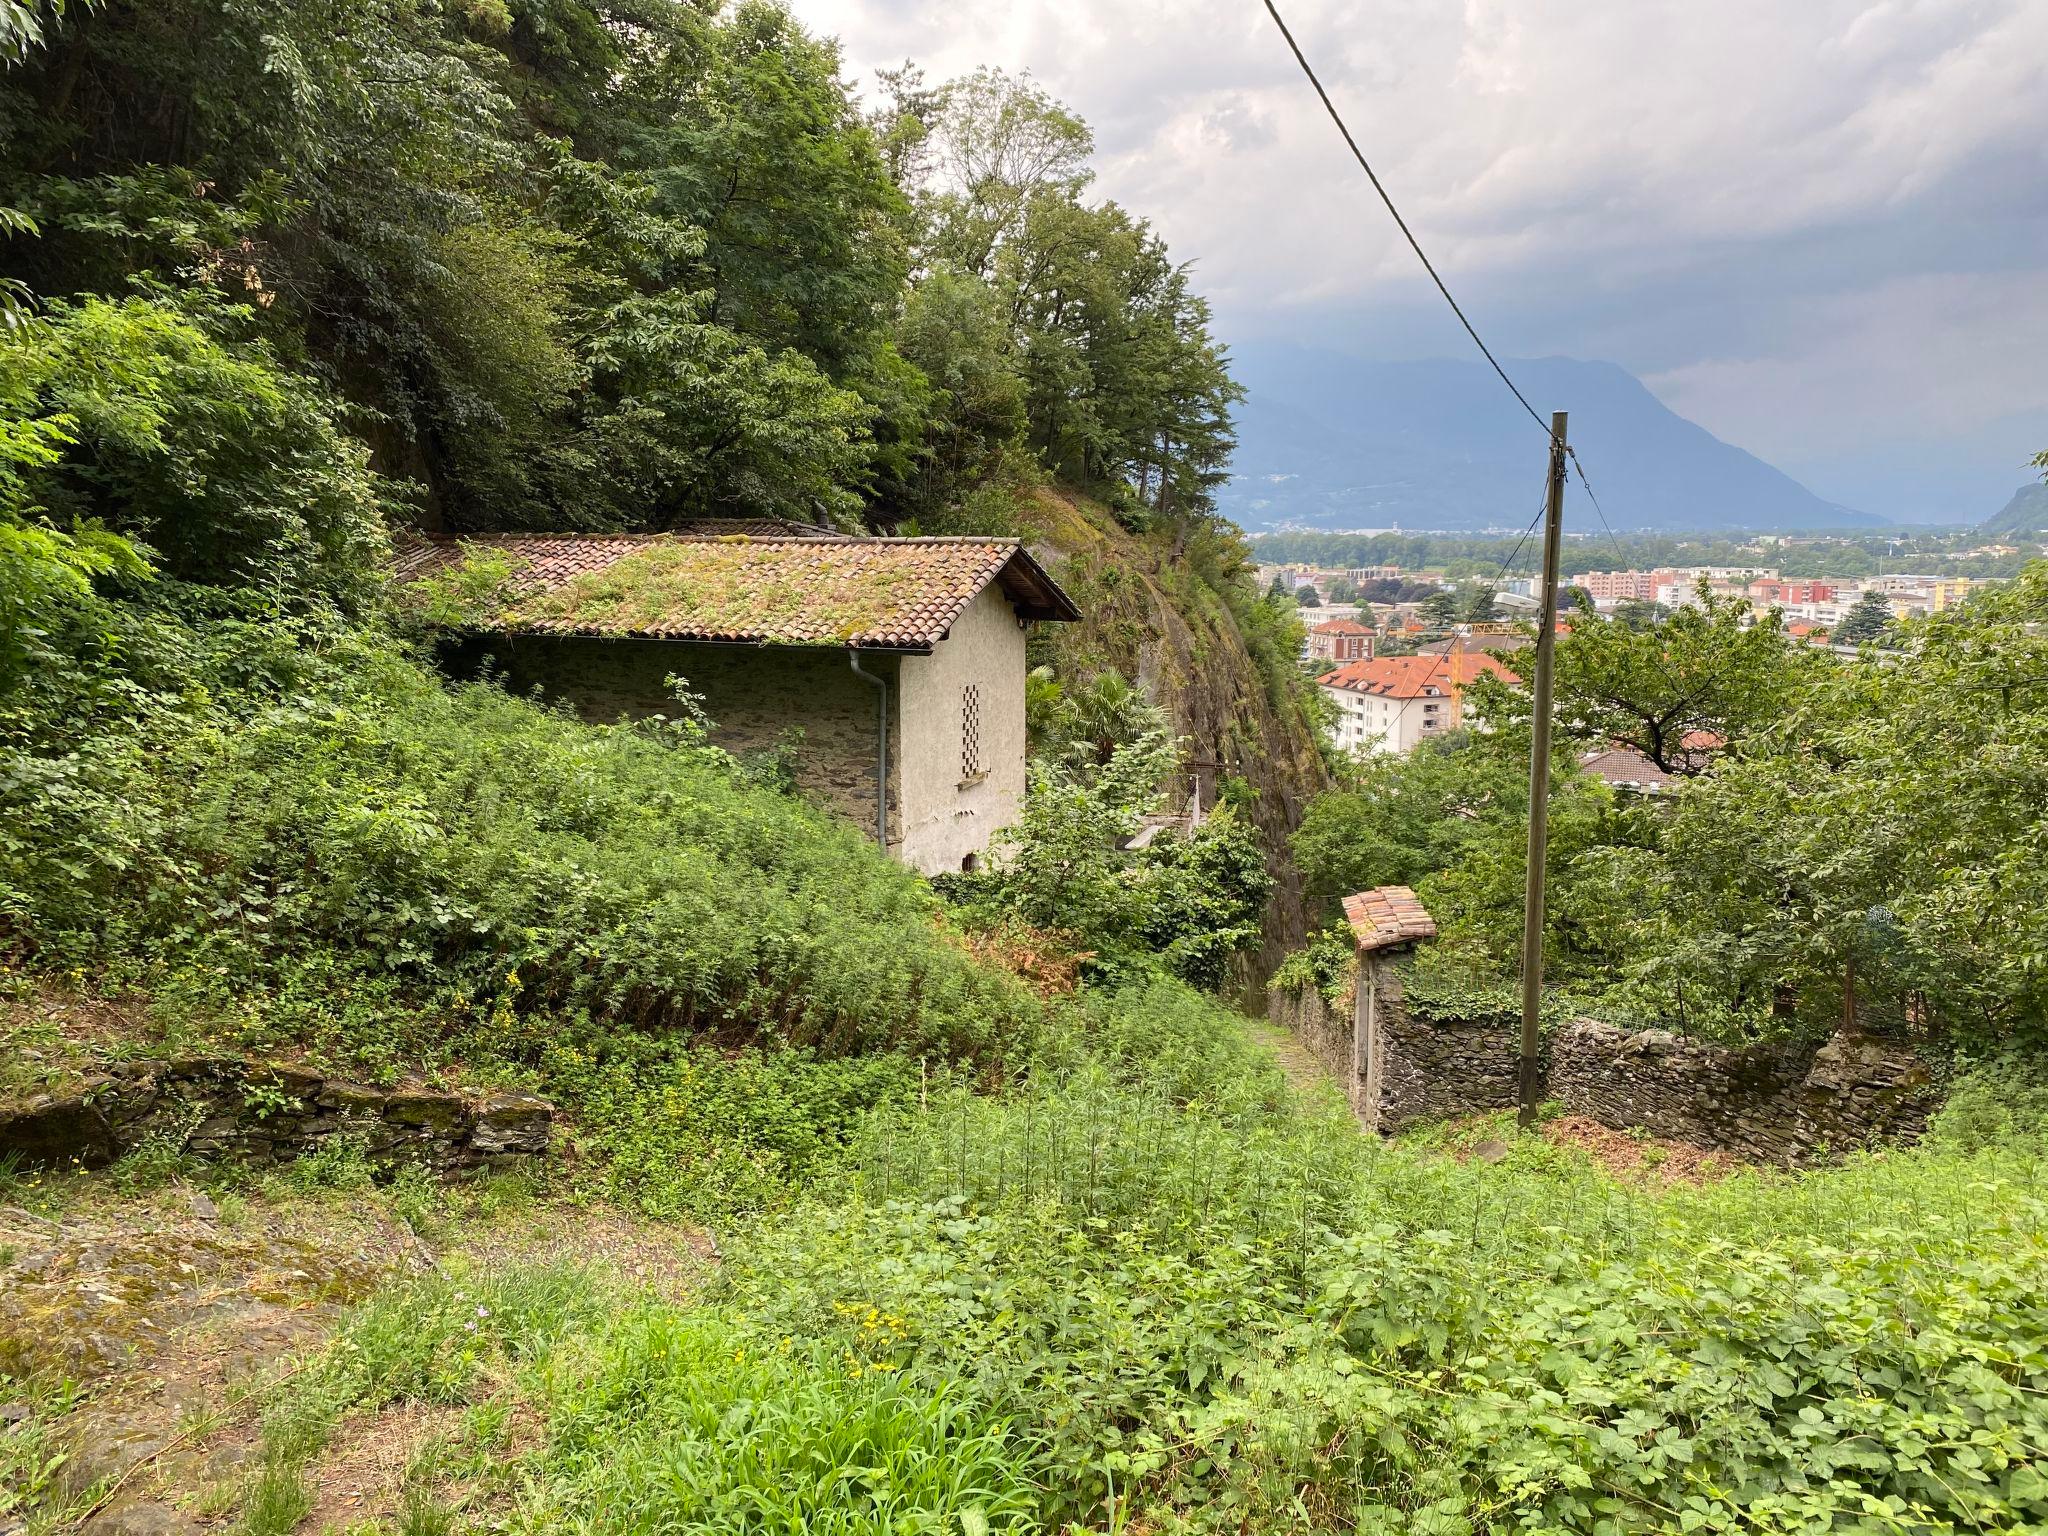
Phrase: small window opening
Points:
(970, 731)
(971, 864)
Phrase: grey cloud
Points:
(1801, 221)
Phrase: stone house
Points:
(891, 670)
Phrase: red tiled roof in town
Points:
(1409, 677)
(1625, 768)
(1386, 916)
(882, 594)
(1342, 627)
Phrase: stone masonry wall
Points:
(1777, 1103)
(752, 693)
(1780, 1102)
(261, 1113)
(1418, 1069)
(1311, 1019)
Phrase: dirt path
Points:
(1308, 1077)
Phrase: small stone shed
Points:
(1386, 922)
(893, 669)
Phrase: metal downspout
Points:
(881, 750)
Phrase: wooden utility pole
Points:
(1539, 785)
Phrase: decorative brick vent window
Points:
(971, 766)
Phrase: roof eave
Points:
(1033, 592)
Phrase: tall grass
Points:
(1180, 1299)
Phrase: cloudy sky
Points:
(1817, 227)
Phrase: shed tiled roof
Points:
(882, 594)
(1386, 916)
(1410, 677)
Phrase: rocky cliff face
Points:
(1149, 612)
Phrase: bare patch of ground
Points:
(362, 1476)
(160, 1320)
(50, 1038)
(1637, 1157)
(142, 1333)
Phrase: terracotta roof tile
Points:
(1408, 677)
(754, 528)
(1625, 768)
(1386, 916)
(888, 594)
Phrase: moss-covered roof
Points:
(888, 594)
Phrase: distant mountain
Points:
(1330, 441)
(2026, 515)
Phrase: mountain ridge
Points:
(1326, 440)
(2026, 513)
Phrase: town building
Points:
(1394, 703)
(1947, 593)
(1774, 592)
(889, 671)
(1615, 586)
(1339, 641)
(1626, 770)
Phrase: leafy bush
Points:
(387, 871)
(229, 467)
(688, 1130)
(1993, 1103)
(1184, 904)
(1327, 964)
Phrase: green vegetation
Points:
(1153, 1288)
(1839, 837)
(997, 1253)
(742, 588)
(573, 268)
(1938, 551)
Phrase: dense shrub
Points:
(688, 1130)
(1127, 1296)
(386, 871)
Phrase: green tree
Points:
(131, 419)
(1478, 604)
(1440, 609)
(1703, 680)
(1867, 622)
(1634, 613)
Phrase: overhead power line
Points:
(1428, 266)
(1413, 244)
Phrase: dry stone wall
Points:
(1323, 1027)
(1779, 1102)
(261, 1113)
(1784, 1102)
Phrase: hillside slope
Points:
(1150, 612)
(2026, 515)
